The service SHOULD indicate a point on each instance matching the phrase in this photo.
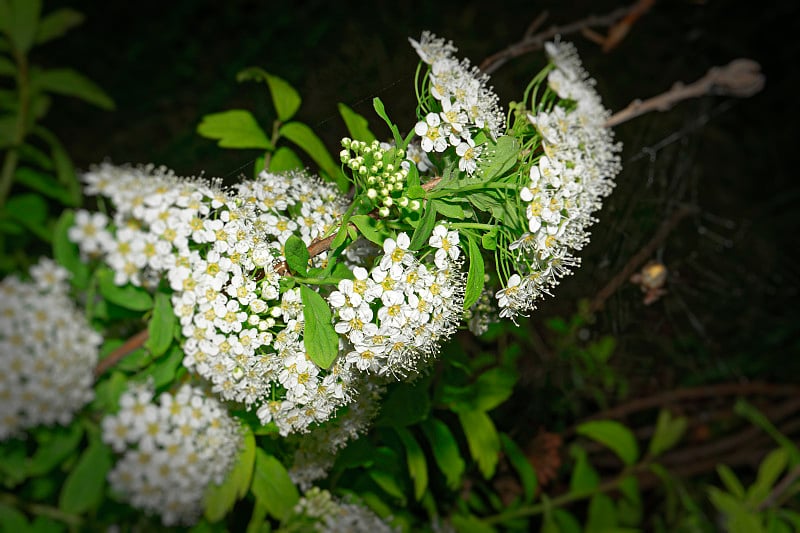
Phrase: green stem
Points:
(569, 497)
(317, 281)
(38, 509)
(439, 193)
(472, 225)
(12, 157)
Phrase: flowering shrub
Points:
(254, 333)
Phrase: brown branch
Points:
(639, 258)
(137, 341)
(706, 391)
(531, 43)
(740, 78)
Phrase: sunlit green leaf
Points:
(584, 477)
(296, 254)
(482, 438)
(357, 126)
(424, 228)
(320, 339)
(305, 138)
(236, 128)
(284, 97)
(613, 435)
(475, 277)
(668, 432)
(499, 158)
(272, 486)
(381, 110)
(769, 471)
(369, 228)
(730, 481)
(284, 159)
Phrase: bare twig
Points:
(130, 345)
(618, 31)
(530, 43)
(740, 78)
(639, 258)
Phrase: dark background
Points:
(731, 311)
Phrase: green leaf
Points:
(7, 67)
(730, 481)
(451, 211)
(108, 391)
(284, 159)
(272, 486)
(387, 473)
(57, 23)
(489, 390)
(415, 459)
(584, 477)
(768, 473)
(405, 404)
(161, 326)
(284, 97)
(521, 464)
(630, 510)
(381, 110)
(357, 125)
(424, 228)
(44, 184)
(738, 518)
(369, 228)
(83, 488)
(68, 82)
(296, 254)
(482, 438)
(475, 277)
(19, 21)
(602, 514)
(445, 451)
(127, 296)
(12, 520)
(499, 158)
(302, 136)
(30, 210)
(66, 253)
(470, 524)
(65, 171)
(164, 370)
(489, 239)
(668, 432)
(320, 339)
(236, 128)
(220, 499)
(60, 444)
(613, 435)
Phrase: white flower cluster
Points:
(395, 315)
(218, 252)
(318, 511)
(172, 449)
(467, 104)
(316, 451)
(567, 182)
(47, 351)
